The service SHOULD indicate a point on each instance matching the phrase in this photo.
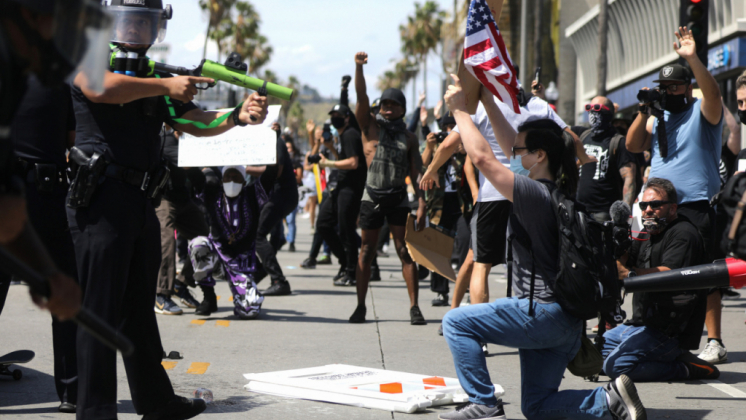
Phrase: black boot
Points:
(210, 302)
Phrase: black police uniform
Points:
(118, 251)
(39, 133)
(12, 88)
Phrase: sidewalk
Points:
(309, 329)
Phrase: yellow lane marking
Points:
(198, 321)
(222, 323)
(198, 368)
(169, 365)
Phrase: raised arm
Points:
(476, 145)
(504, 132)
(362, 107)
(444, 152)
(711, 104)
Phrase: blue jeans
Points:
(290, 219)
(547, 342)
(644, 354)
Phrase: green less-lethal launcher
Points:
(233, 72)
(217, 71)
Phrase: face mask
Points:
(338, 122)
(654, 224)
(676, 103)
(516, 166)
(232, 189)
(742, 116)
(600, 121)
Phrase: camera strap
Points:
(662, 138)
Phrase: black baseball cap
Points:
(396, 95)
(674, 73)
(342, 109)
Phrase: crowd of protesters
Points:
(483, 178)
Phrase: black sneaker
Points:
(165, 306)
(186, 297)
(415, 316)
(346, 280)
(291, 247)
(473, 411)
(179, 408)
(624, 403)
(440, 300)
(698, 368)
(308, 263)
(209, 303)
(440, 330)
(324, 260)
(278, 288)
(730, 294)
(341, 273)
(358, 317)
(375, 274)
(67, 407)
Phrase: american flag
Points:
(486, 57)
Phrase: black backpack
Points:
(587, 282)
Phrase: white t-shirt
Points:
(535, 109)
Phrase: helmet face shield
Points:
(138, 26)
(81, 38)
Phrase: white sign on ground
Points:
(250, 145)
(362, 387)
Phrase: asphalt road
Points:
(310, 329)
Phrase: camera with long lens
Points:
(326, 133)
(314, 158)
(651, 97)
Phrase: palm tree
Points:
(422, 32)
(216, 10)
(248, 42)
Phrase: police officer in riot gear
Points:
(47, 38)
(112, 215)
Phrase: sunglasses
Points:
(671, 88)
(596, 107)
(655, 204)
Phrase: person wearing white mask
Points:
(228, 252)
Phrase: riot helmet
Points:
(139, 22)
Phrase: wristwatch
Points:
(631, 274)
(234, 115)
(644, 109)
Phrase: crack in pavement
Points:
(378, 330)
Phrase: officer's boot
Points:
(210, 302)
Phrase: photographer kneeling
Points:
(548, 337)
(654, 345)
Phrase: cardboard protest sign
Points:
(430, 248)
(250, 145)
(469, 83)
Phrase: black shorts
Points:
(488, 226)
(371, 218)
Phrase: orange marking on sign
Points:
(430, 387)
(198, 368)
(353, 387)
(392, 388)
(198, 321)
(435, 380)
(222, 323)
(169, 365)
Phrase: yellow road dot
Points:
(198, 321)
(230, 299)
(217, 297)
(169, 365)
(222, 323)
(198, 368)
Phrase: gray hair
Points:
(662, 185)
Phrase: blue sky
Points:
(314, 40)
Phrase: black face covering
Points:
(391, 125)
(742, 116)
(676, 103)
(600, 121)
(338, 122)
